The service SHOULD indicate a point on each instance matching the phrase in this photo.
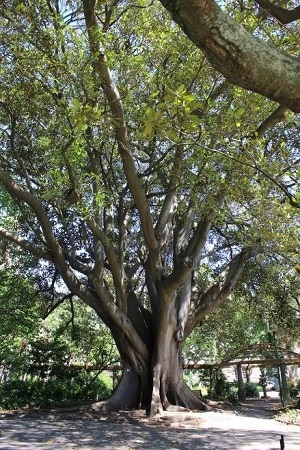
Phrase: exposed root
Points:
(175, 397)
(156, 406)
(177, 417)
(95, 406)
(187, 398)
(175, 408)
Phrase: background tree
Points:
(269, 302)
(47, 361)
(130, 166)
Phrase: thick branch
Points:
(33, 249)
(283, 15)
(114, 263)
(183, 301)
(77, 263)
(120, 319)
(165, 219)
(275, 117)
(164, 222)
(189, 257)
(17, 192)
(182, 231)
(111, 92)
(234, 52)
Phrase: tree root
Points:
(92, 407)
(175, 408)
(178, 417)
(188, 398)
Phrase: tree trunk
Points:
(127, 395)
(160, 386)
(169, 392)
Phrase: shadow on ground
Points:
(262, 408)
(214, 430)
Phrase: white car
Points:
(270, 385)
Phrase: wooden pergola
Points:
(261, 354)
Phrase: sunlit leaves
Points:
(189, 133)
(154, 122)
(84, 115)
(227, 330)
(86, 339)
(68, 335)
(177, 113)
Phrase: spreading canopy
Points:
(128, 166)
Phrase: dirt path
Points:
(249, 426)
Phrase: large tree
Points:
(127, 166)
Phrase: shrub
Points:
(14, 393)
(222, 386)
(232, 397)
(251, 390)
(17, 394)
(106, 381)
(291, 416)
(294, 391)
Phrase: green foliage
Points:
(274, 291)
(294, 389)
(232, 396)
(107, 381)
(290, 416)
(251, 390)
(58, 341)
(225, 390)
(266, 303)
(45, 353)
(189, 132)
(20, 316)
(228, 330)
(88, 340)
(16, 394)
(179, 110)
(222, 387)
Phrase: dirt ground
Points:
(248, 426)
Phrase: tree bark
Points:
(127, 394)
(157, 386)
(242, 59)
(169, 392)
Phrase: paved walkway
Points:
(246, 428)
